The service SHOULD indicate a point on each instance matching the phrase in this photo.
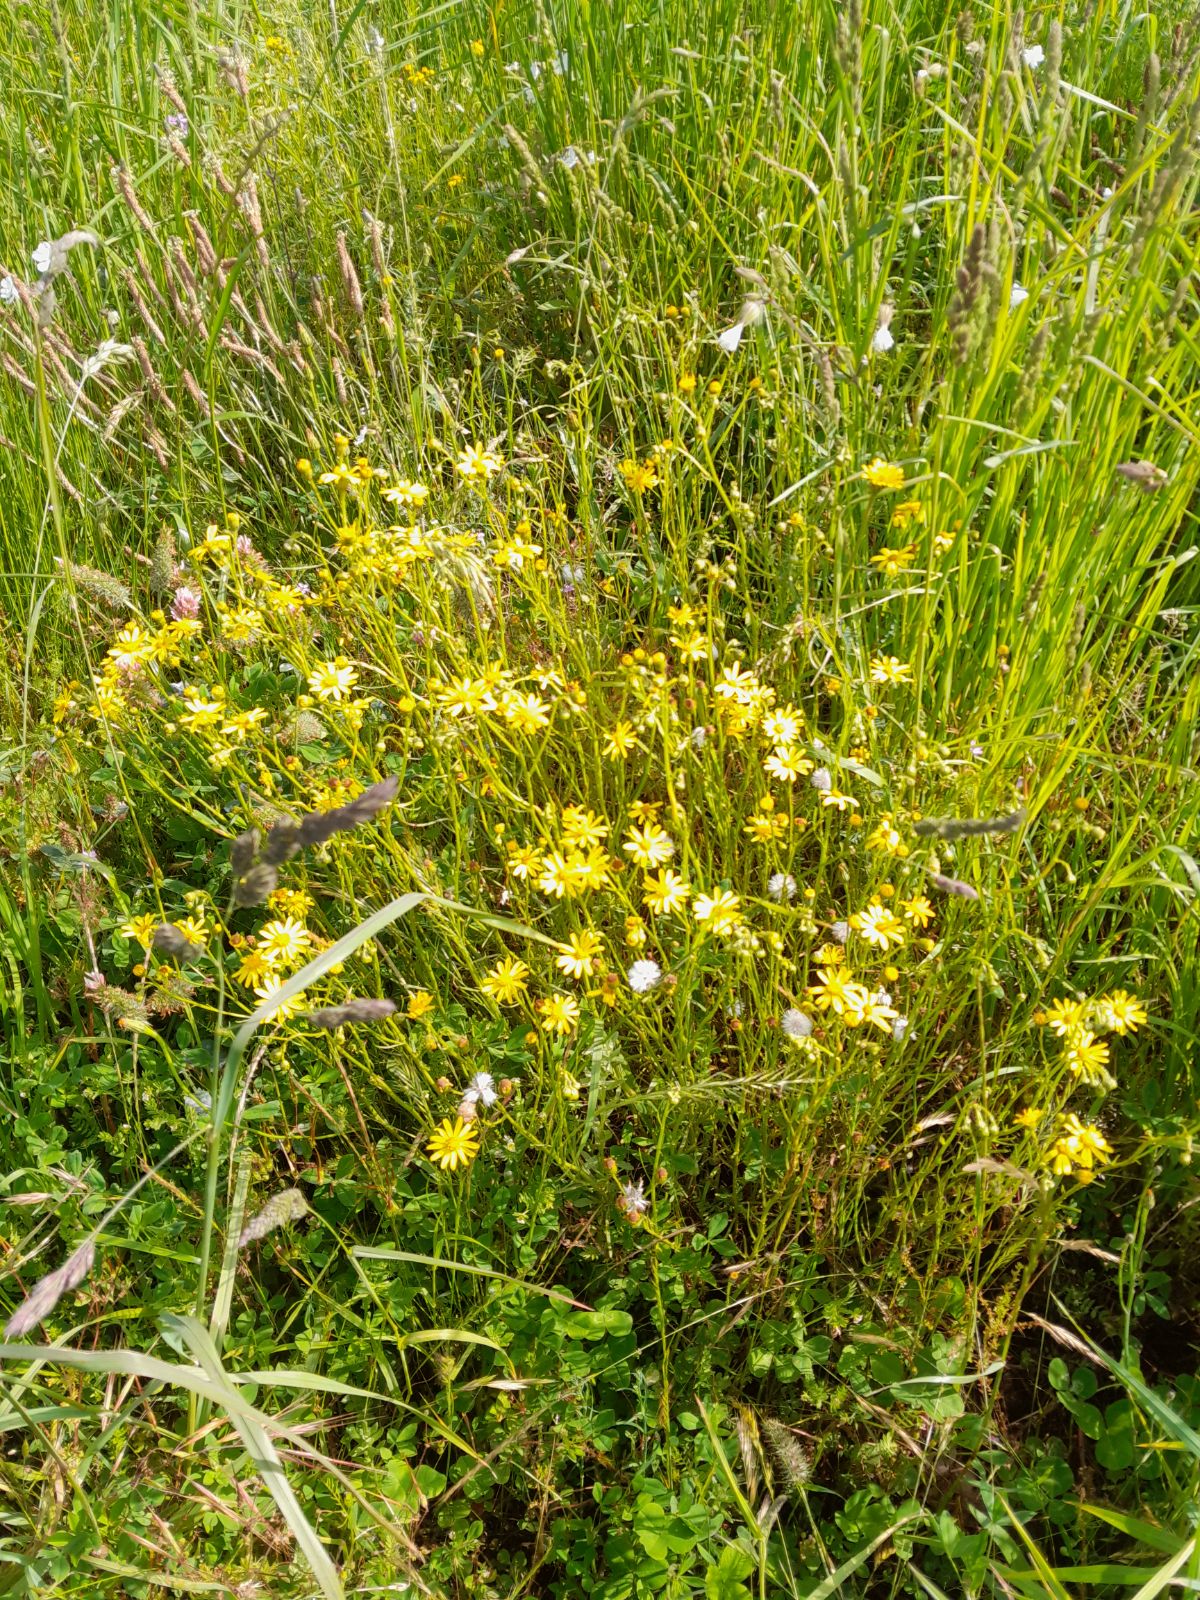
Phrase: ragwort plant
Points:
(760, 575)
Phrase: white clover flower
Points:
(821, 780)
(482, 1087)
(899, 1029)
(8, 291)
(840, 931)
(795, 1024)
(1017, 297)
(644, 976)
(1033, 57)
(42, 256)
(781, 885)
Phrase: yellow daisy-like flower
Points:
(918, 911)
(407, 493)
(836, 991)
(786, 764)
(891, 562)
(453, 1144)
(907, 512)
(269, 988)
(1120, 1012)
(719, 912)
(1066, 1016)
(522, 860)
(1087, 1057)
(888, 669)
(527, 713)
(583, 828)
(649, 845)
(477, 465)
(1079, 1149)
(578, 957)
(133, 645)
(1029, 1118)
(506, 981)
(256, 967)
(141, 929)
(620, 740)
(284, 941)
(420, 1004)
(560, 1013)
(666, 892)
(333, 680)
(881, 474)
(878, 925)
(639, 477)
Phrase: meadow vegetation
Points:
(599, 947)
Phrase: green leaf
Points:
(598, 1324)
(723, 1580)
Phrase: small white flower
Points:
(569, 157)
(482, 1087)
(899, 1029)
(881, 998)
(882, 340)
(42, 256)
(731, 338)
(821, 781)
(840, 931)
(8, 291)
(699, 735)
(795, 1024)
(644, 976)
(781, 885)
(1017, 297)
(633, 1200)
(1034, 56)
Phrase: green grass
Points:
(863, 1339)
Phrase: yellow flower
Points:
(133, 645)
(649, 845)
(583, 828)
(407, 493)
(269, 988)
(891, 561)
(862, 1006)
(522, 860)
(461, 697)
(560, 1013)
(527, 713)
(620, 740)
(881, 474)
(887, 669)
(333, 680)
(1120, 1012)
(665, 893)
(918, 911)
(284, 941)
(476, 465)
(1066, 1016)
(255, 968)
(682, 615)
(201, 713)
(783, 726)
(514, 553)
(555, 877)
(635, 932)
(639, 478)
(1087, 1057)
(835, 798)
(878, 925)
(578, 956)
(1028, 1119)
(687, 383)
(719, 912)
(588, 871)
(786, 764)
(1079, 1149)
(140, 928)
(765, 826)
(453, 1144)
(908, 511)
(886, 837)
(420, 1004)
(836, 990)
(506, 981)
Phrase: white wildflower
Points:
(821, 780)
(1017, 297)
(795, 1024)
(899, 1029)
(43, 256)
(781, 886)
(644, 976)
(482, 1087)
(633, 1200)
(840, 932)
(8, 291)
(1033, 57)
